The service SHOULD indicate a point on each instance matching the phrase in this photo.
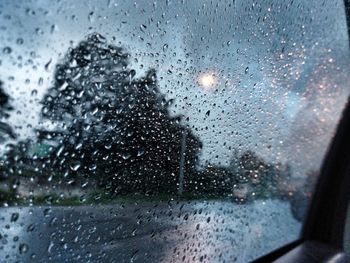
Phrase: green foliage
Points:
(111, 127)
(256, 178)
(6, 130)
(8, 197)
(56, 200)
(212, 181)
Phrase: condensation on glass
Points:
(164, 131)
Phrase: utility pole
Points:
(182, 161)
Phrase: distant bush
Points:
(7, 197)
(210, 182)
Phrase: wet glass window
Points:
(164, 131)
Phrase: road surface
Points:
(195, 231)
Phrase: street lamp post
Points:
(182, 161)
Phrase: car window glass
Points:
(164, 131)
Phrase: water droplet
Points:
(143, 27)
(47, 212)
(34, 92)
(140, 152)
(52, 29)
(75, 167)
(30, 228)
(92, 167)
(23, 248)
(49, 249)
(40, 81)
(47, 65)
(39, 31)
(94, 111)
(14, 217)
(7, 50)
(19, 41)
(91, 16)
(126, 156)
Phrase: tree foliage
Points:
(255, 178)
(6, 130)
(112, 127)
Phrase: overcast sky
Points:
(280, 66)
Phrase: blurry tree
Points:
(27, 158)
(6, 130)
(255, 178)
(110, 126)
(211, 181)
(7, 191)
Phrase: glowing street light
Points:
(207, 80)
